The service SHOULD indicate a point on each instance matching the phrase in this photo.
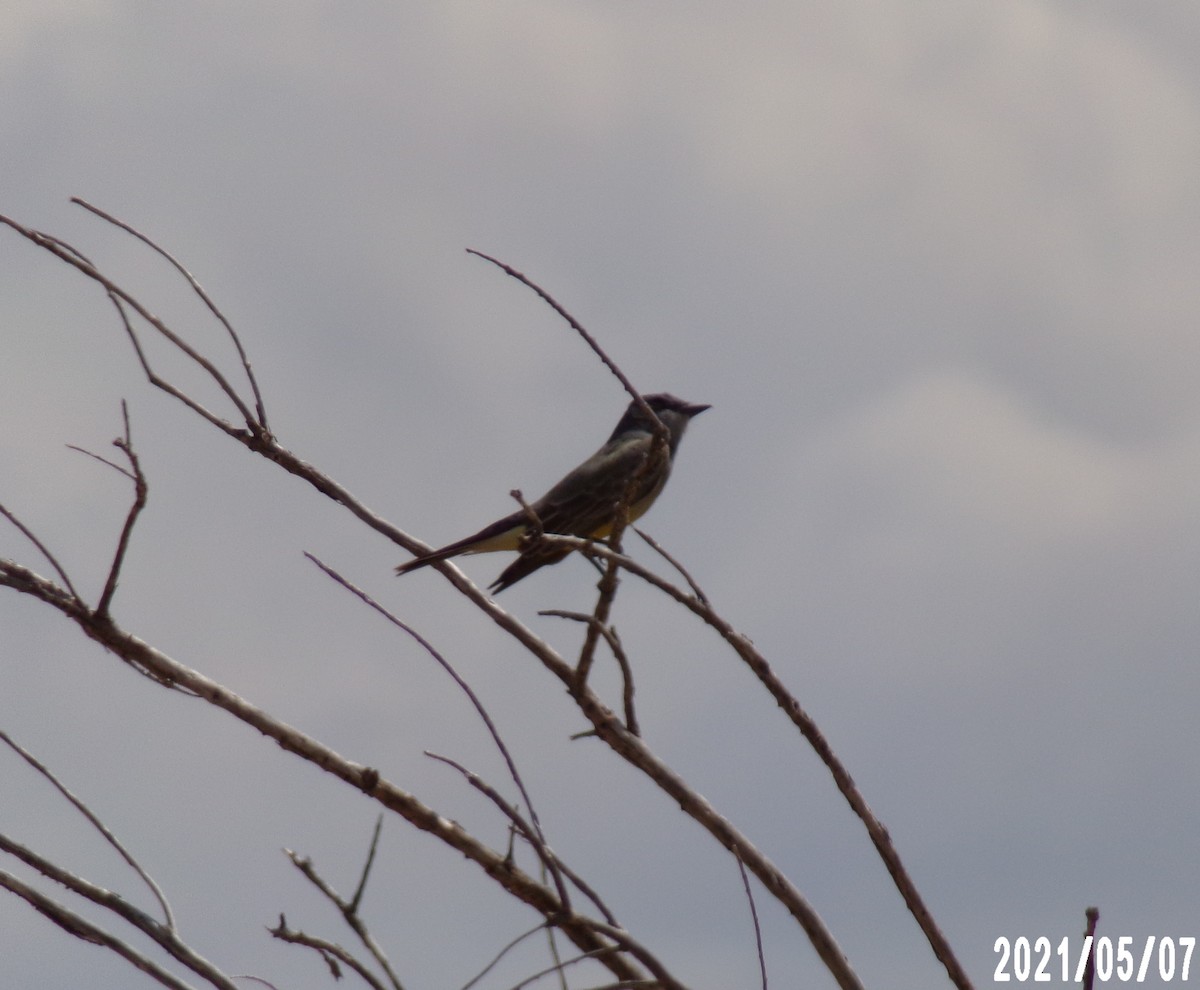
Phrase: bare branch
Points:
(558, 967)
(571, 321)
(199, 290)
(97, 824)
(140, 492)
(552, 945)
(758, 941)
(808, 728)
(580, 929)
(575, 325)
(531, 834)
(501, 954)
(164, 936)
(588, 934)
(326, 949)
(534, 528)
(161, 383)
(618, 652)
(532, 830)
(41, 547)
(657, 548)
(485, 717)
(626, 744)
(78, 260)
(103, 460)
(348, 909)
(608, 728)
(607, 587)
(81, 928)
(362, 883)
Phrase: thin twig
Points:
(168, 940)
(41, 547)
(758, 940)
(79, 261)
(161, 383)
(501, 954)
(618, 651)
(552, 945)
(538, 838)
(348, 911)
(579, 329)
(547, 858)
(362, 883)
(81, 928)
(654, 545)
(533, 522)
(97, 824)
(559, 966)
(610, 578)
(326, 949)
(140, 492)
(607, 587)
(103, 460)
(199, 290)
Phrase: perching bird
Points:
(585, 502)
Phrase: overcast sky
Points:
(933, 264)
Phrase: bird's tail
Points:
(430, 558)
(532, 559)
(503, 534)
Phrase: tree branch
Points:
(81, 928)
(259, 406)
(348, 909)
(588, 934)
(98, 825)
(327, 950)
(809, 729)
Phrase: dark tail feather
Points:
(526, 564)
(465, 545)
(429, 558)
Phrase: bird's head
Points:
(672, 411)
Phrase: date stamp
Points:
(1116, 960)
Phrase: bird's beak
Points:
(695, 409)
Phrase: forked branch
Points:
(348, 910)
(94, 820)
(198, 289)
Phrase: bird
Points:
(585, 502)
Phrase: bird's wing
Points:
(582, 503)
